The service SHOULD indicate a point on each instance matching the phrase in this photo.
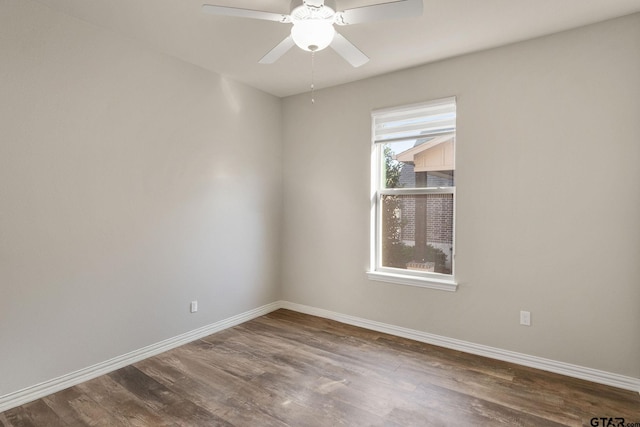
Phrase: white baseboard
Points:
(575, 371)
(37, 391)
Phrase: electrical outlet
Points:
(194, 306)
(525, 318)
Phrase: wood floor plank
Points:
(288, 369)
(449, 404)
(214, 392)
(35, 413)
(124, 408)
(77, 409)
(171, 406)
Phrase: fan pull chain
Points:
(313, 86)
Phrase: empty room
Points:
(319, 213)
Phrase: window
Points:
(413, 195)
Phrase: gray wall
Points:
(548, 208)
(130, 184)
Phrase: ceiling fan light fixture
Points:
(313, 35)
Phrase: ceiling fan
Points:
(313, 21)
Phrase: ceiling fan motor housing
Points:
(313, 4)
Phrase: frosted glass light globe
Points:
(313, 34)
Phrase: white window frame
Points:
(400, 276)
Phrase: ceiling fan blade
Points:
(348, 51)
(380, 12)
(245, 13)
(274, 54)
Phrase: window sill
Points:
(422, 282)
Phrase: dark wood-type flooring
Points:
(290, 369)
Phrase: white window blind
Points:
(416, 121)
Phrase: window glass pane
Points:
(419, 163)
(417, 232)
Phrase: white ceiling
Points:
(232, 46)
